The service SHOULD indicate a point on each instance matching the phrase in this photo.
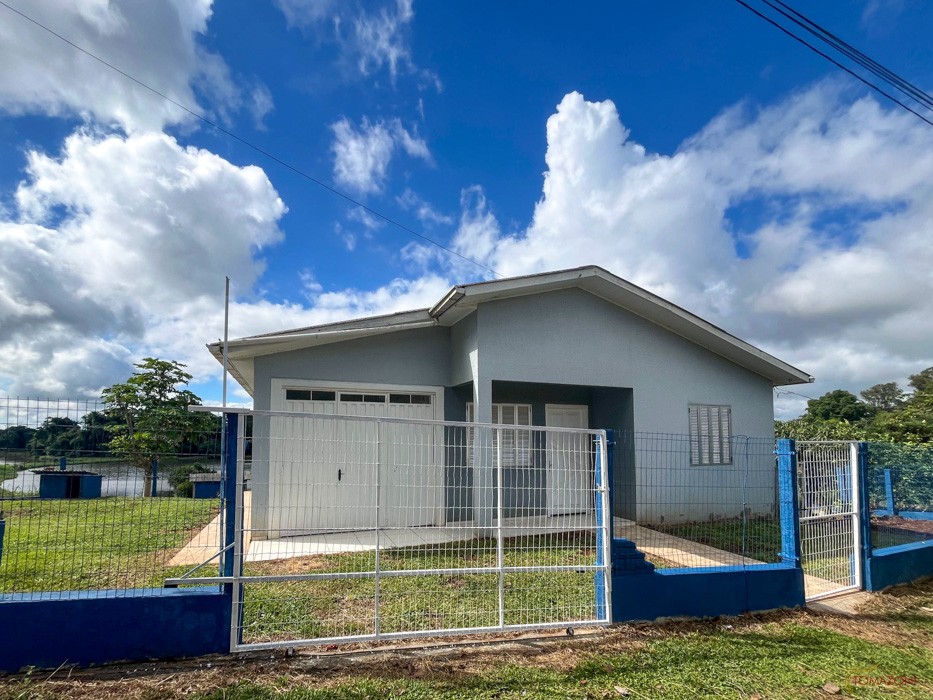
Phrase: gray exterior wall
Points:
(572, 337)
(420, 356)
(634, 375)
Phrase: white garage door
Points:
(330, 475)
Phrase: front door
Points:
(569, 461)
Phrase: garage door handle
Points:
(339, 474)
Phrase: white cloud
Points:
(836, 276)
(306, 13)
(381, 40)
(154, 41)
(370, 38)
(118, 249)
(115, 240)
(361, 216)
(362, 155)
(424, 211)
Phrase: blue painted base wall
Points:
(694, 593)
(893, 565)
(97, 627)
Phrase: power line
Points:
(779, 392)
(853, 53)
(258, 149)
(832, 60)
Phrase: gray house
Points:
(572, 348)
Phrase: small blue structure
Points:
(205, 485)
(63, 484)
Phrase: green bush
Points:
(179, 478)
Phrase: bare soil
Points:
(895, 522)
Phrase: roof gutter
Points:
(450, 300)
(275, 340)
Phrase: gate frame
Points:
(857, 464)
(233, 555)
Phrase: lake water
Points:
(118, 480)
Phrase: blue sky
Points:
(688, 147)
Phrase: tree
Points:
(152, 408)
(57, 436)
(840, 405)
(911, 424)
(806, 428)
(921, 381)
(884, 397)
(16, 437)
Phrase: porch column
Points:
(483, 463)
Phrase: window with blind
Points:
(516, 443)
(710, 434)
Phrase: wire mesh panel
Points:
(900, 484)
(827, 487)
(367, 527)
(720, 511)
(83, 512)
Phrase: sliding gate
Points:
(360, 528)
(830, 534)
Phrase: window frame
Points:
(710, 429)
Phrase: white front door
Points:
(323, 473)
(569, 465)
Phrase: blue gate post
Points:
(601, 516)
(889, 493)
(155, 477)
(864, 510)
(228, 492)
(787, 487)
(62, 464)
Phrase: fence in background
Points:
(900, 482)
(898, 506)
(684, 515)
(79, 516)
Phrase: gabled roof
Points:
(462, 300)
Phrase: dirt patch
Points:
(895, 522)
(286, 567)
(435, 659)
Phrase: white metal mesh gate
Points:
(827, 482)
(363, 528)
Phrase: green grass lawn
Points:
(772, 661)
(7, 471)
(325, 608)
(55, 545)
(759, 538)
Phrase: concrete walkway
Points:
(206, 543)
(674, 550)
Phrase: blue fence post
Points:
(787, 487)
(62, 464)
(889, 493)
(601, 515)
(228, 491)
(864, 509)
(155, 477)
